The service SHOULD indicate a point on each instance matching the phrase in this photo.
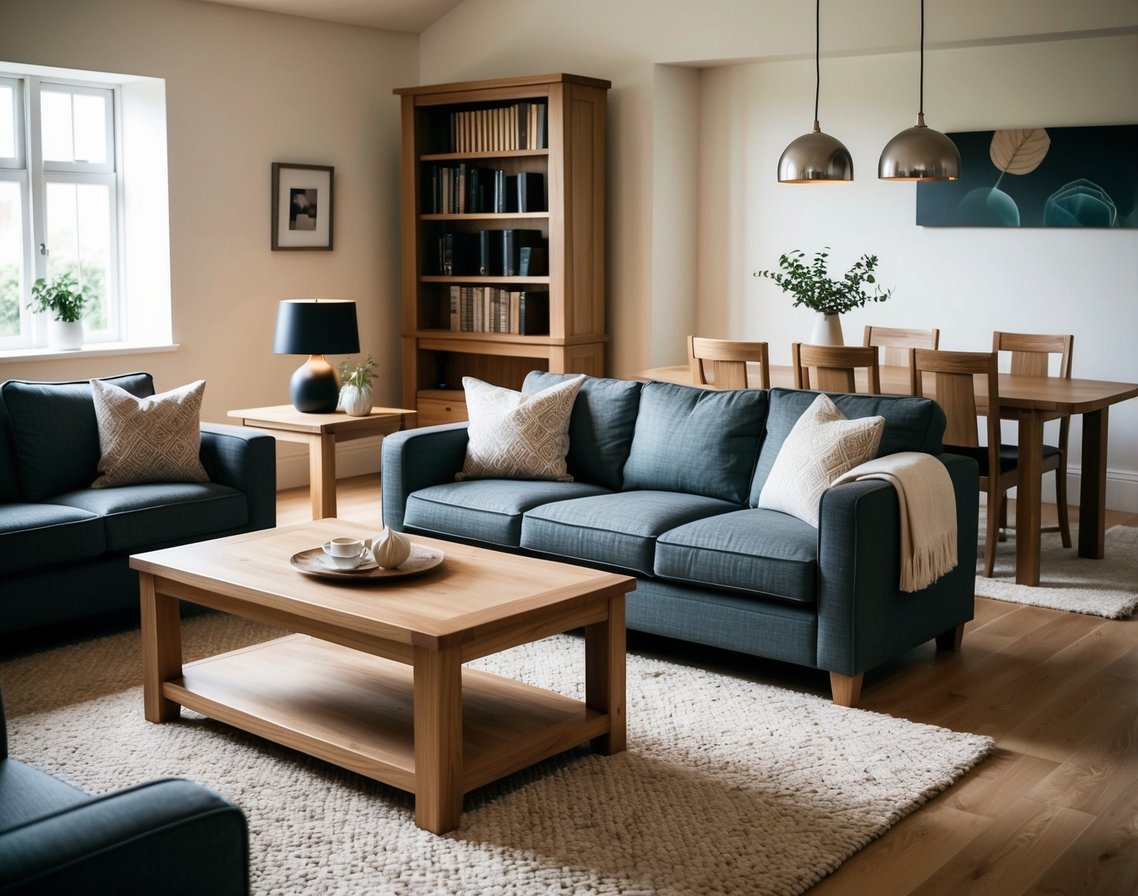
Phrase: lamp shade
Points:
(316, 327)
(919, 153)
(815, 157)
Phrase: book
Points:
(513, 241)
(533, 313)
(490, 252)
(531, 192)
(531, 261)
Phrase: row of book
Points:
(520, 125)
(474, 189)
(491, 309)
(513, 252)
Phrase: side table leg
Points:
(438, 739)
(161, 649)
(322, 476)
(605, 675)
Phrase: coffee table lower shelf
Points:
(356, 710)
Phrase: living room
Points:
(704, 98)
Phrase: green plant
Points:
(812, 286)
(64, 298)
(359, 375)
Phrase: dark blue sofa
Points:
(666, 480)
(65, 547)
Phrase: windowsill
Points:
(96, 350)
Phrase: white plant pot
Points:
(827, 330)
(65, 336)
(355, 400)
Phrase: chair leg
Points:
(1061, 505)
(951, 639)
(1003, 532)
(846, 689)
(999, 500)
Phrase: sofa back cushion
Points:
(699, 441)
(9, 484)
(911, 424)
(55, 433)
(600, 427)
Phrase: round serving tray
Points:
(313, 562)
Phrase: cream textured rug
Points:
(728, 787)
(1106, 587)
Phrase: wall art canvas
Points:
(1038, 177)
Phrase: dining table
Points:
(1030, 401)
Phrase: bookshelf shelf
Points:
(460, 210)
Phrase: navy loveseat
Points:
(64, 546)
(666, 481)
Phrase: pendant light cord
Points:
(921, 110)
(818, 55)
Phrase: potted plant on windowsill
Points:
(812, 286)
(355, 387)
(65, 301)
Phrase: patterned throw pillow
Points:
(154, 439)
(516, 436)
(820, 447)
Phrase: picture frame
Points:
(301, 207)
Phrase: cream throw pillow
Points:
(516, 436)
(153, 439)
(820, 447)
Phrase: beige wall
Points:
(245, 89)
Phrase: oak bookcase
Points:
(569, 150)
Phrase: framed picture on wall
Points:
(302, 206)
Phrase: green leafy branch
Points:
(812, 286)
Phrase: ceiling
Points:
(410, 16)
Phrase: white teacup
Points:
(345, 553)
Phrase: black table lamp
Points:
(316, 327)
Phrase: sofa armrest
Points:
(864, 619)
(244, 459)
(416, 458)
(169, 836)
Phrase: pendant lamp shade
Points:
(815, 157)
(919, 152)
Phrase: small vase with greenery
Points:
(65, 301)
(812, 286)
(355, 386)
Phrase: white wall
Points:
(245, 89)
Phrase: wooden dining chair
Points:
(895, 342)
(834, 367)
(1031, 355)
(954, 386)
(722, 363)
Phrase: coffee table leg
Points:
(605, 677)
(161, 649)
(438, 739)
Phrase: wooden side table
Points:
(321, 432)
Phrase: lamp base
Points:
(314, 387)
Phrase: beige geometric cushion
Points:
(516, 436)
(154, 439)
(820, 447)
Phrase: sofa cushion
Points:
(55, 433)
(35, 535)
(911, 424)
(696, 441)
(137, 516)
(617, 530)
(31, 795)
(821, 446)
(152, 439)
(517, 436)
(486, 510)
(600, 427)
(760, 552)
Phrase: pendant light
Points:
(919, 152)
(815, 157)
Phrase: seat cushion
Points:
(616, 530)
(30, 794)
(33, 535)
(760, 552)
(486, 510)
(696, 441)
(138, 516)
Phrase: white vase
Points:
(65, 336)
(356, 400)
(827, 330)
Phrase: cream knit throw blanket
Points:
(928, 513)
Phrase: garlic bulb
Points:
(390, 548)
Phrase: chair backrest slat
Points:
(722, 363)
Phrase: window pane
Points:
(7, 122)
(55, 125)
(90, 128)
(79, 242)
(11, 254)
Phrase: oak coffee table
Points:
(372, 680)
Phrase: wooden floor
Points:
(1053, 811)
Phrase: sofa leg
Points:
(846, 689)
(951, 639)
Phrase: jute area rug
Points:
(728, 787)
(1106, 587)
